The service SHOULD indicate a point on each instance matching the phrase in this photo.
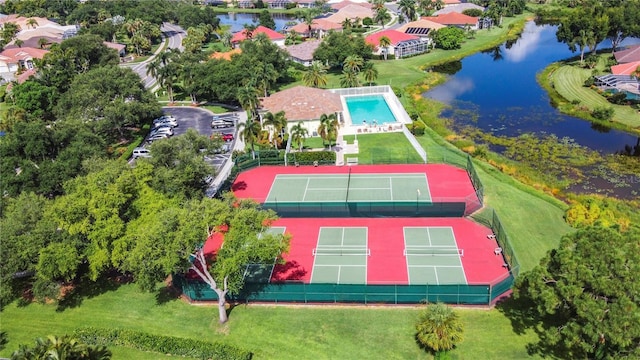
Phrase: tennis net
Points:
(346, 198)
(341, 251)
(431, 251)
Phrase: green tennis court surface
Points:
(433, 256)
(341, 256)
(349, 187)
(261, 273)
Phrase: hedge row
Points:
(160, 344)
(320, 156)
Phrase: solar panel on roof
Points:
(417, 31)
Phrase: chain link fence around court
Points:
(298, 292)
(489, 217)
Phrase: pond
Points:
(496, 91)
(238, 20)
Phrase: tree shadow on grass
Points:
(167, 294)
(86, 289)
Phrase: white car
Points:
(155, 137)
(141, 152)
(162, 130)
(165, 121)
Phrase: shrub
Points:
(312, 156)
(417, 128)
(602, 113)
(589, 82)
(473, 12)
(291, 5)
(161, 344)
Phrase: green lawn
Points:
(384, 148)
(271, 332)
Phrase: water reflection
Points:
(237, 20)
(496, 91)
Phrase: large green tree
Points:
(584, 28)
(337, 46)
(35, 98)
(246, 241)
(110, 99)
(316, 75)
(583, 298)
(449, 38)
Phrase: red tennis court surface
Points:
(387, 263)
(446, 182)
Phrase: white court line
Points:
(429, 247)
(305, 189)
(428, 237)
(436, 266)
(361, 176)
(435, 271)
(391, 188)
(333, 265)
(339, 271)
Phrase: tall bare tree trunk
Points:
(222, 310)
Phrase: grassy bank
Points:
(564, 82)
(269, 331)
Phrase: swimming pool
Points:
(369, 109)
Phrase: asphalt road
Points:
(174, 34)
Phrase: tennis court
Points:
(332, 188)
(433, 257)
(340, 256)
(261, 273)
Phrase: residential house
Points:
(455, 19)
(120, 48)
(421, 28)
(352, 12)
(627, 55)
(629, 68)
(16, 60)
(273, 35)
(402, 44)
(303, 53)
(341, 4)
(306, 104)
(319, 28)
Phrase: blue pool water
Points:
(370, 109)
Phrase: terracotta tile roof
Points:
(626, 68)
(14, 55)
(117, 47)
(351, 12)
(630, 54)
(303, 51)
(393, 35)
(318, 24)
(271, 34)
(453, 18)
(26, 75)
(303, 103)
(451, 2)
(421, 24)
(341, 4)
(225, 55)
(33, 42)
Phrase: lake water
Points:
(237, 21)
(496, 91)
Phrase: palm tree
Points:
(384, 43)
(165, 70)
(277, 124)
(18, 43)
(316, 75)
(298, 134)
(226, 38)
(347, 24)
(250, 134)
(349, 79)
(636, 73)
(382, 16)
(408, 8)
(353, 63)
(439, 328)
(328, 129)
(248, 99)
(370, 72)
(32, 22)
(377, 4)
(249, 30)
(42, 42)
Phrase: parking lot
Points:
(200, 120)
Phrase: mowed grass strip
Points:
(569, 81)
(384, 148)
(271, 332)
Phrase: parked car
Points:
(162, 130)
(221, 123)
(227, 137)
(155, 137)
(141, 152)
(165, 121)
